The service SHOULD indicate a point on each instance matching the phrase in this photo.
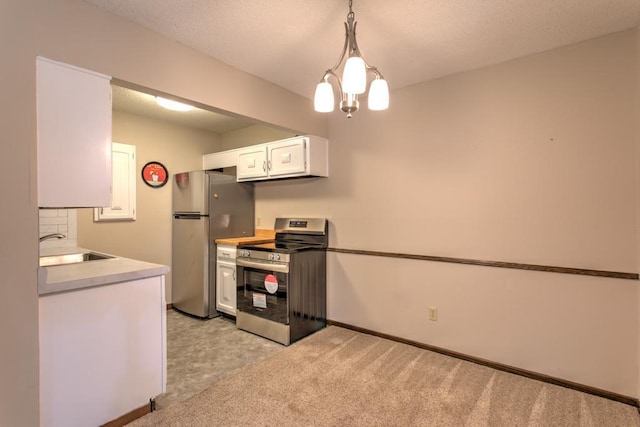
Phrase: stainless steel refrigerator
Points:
(206, 206)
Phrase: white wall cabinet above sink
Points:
(74, 136)
(294, 157)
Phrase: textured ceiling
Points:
(291, 42)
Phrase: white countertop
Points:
(71, 277)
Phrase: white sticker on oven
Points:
(271, 283)
(259, 300)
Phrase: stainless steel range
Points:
(282, 285)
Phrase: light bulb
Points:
(354, 77)
(378, 95)
(323, 99)
(173, 105)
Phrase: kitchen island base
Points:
(102, 351)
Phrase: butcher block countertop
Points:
(235, 241)
(262, 236)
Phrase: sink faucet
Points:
(52, 236)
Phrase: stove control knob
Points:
(245, 253)
(276, 257)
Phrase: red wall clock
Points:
(154, 174)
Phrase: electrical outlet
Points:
(433, 314)
(258, 221)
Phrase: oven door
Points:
(263, 288)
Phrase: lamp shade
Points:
(354, 77)
(323, 99)
(378, 95)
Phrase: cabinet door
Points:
(287, 157)
(252, 163)
(123, 199)
(74, 136)
(99, 345)
(226, 288)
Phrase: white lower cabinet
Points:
(102, 351)
(226, 279)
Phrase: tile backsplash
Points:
(62, 221)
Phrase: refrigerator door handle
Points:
(187, 216)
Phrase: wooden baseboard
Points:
(499, 366)
(129, 416)
(169, 306)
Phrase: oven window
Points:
(263, 294)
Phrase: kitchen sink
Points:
(51, 260)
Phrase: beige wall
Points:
(638, 180)
(19, 225)
(148, 238)
(529, 161)
(440, 138)
(78, 33)
(252, 135)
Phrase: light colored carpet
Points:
(202, 352)
(338, 377)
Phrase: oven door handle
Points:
(278, 268)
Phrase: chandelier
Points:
(354, 78)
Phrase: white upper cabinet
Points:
(287, 157)
(74, 136)
(252, 162)
(293, 157)
(221, 159)
(123, 193)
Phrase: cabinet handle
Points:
(264, 166)
(269, 164)
(234, 275)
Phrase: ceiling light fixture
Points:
(354, 78)
(173, 105)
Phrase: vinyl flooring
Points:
(202, 352)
